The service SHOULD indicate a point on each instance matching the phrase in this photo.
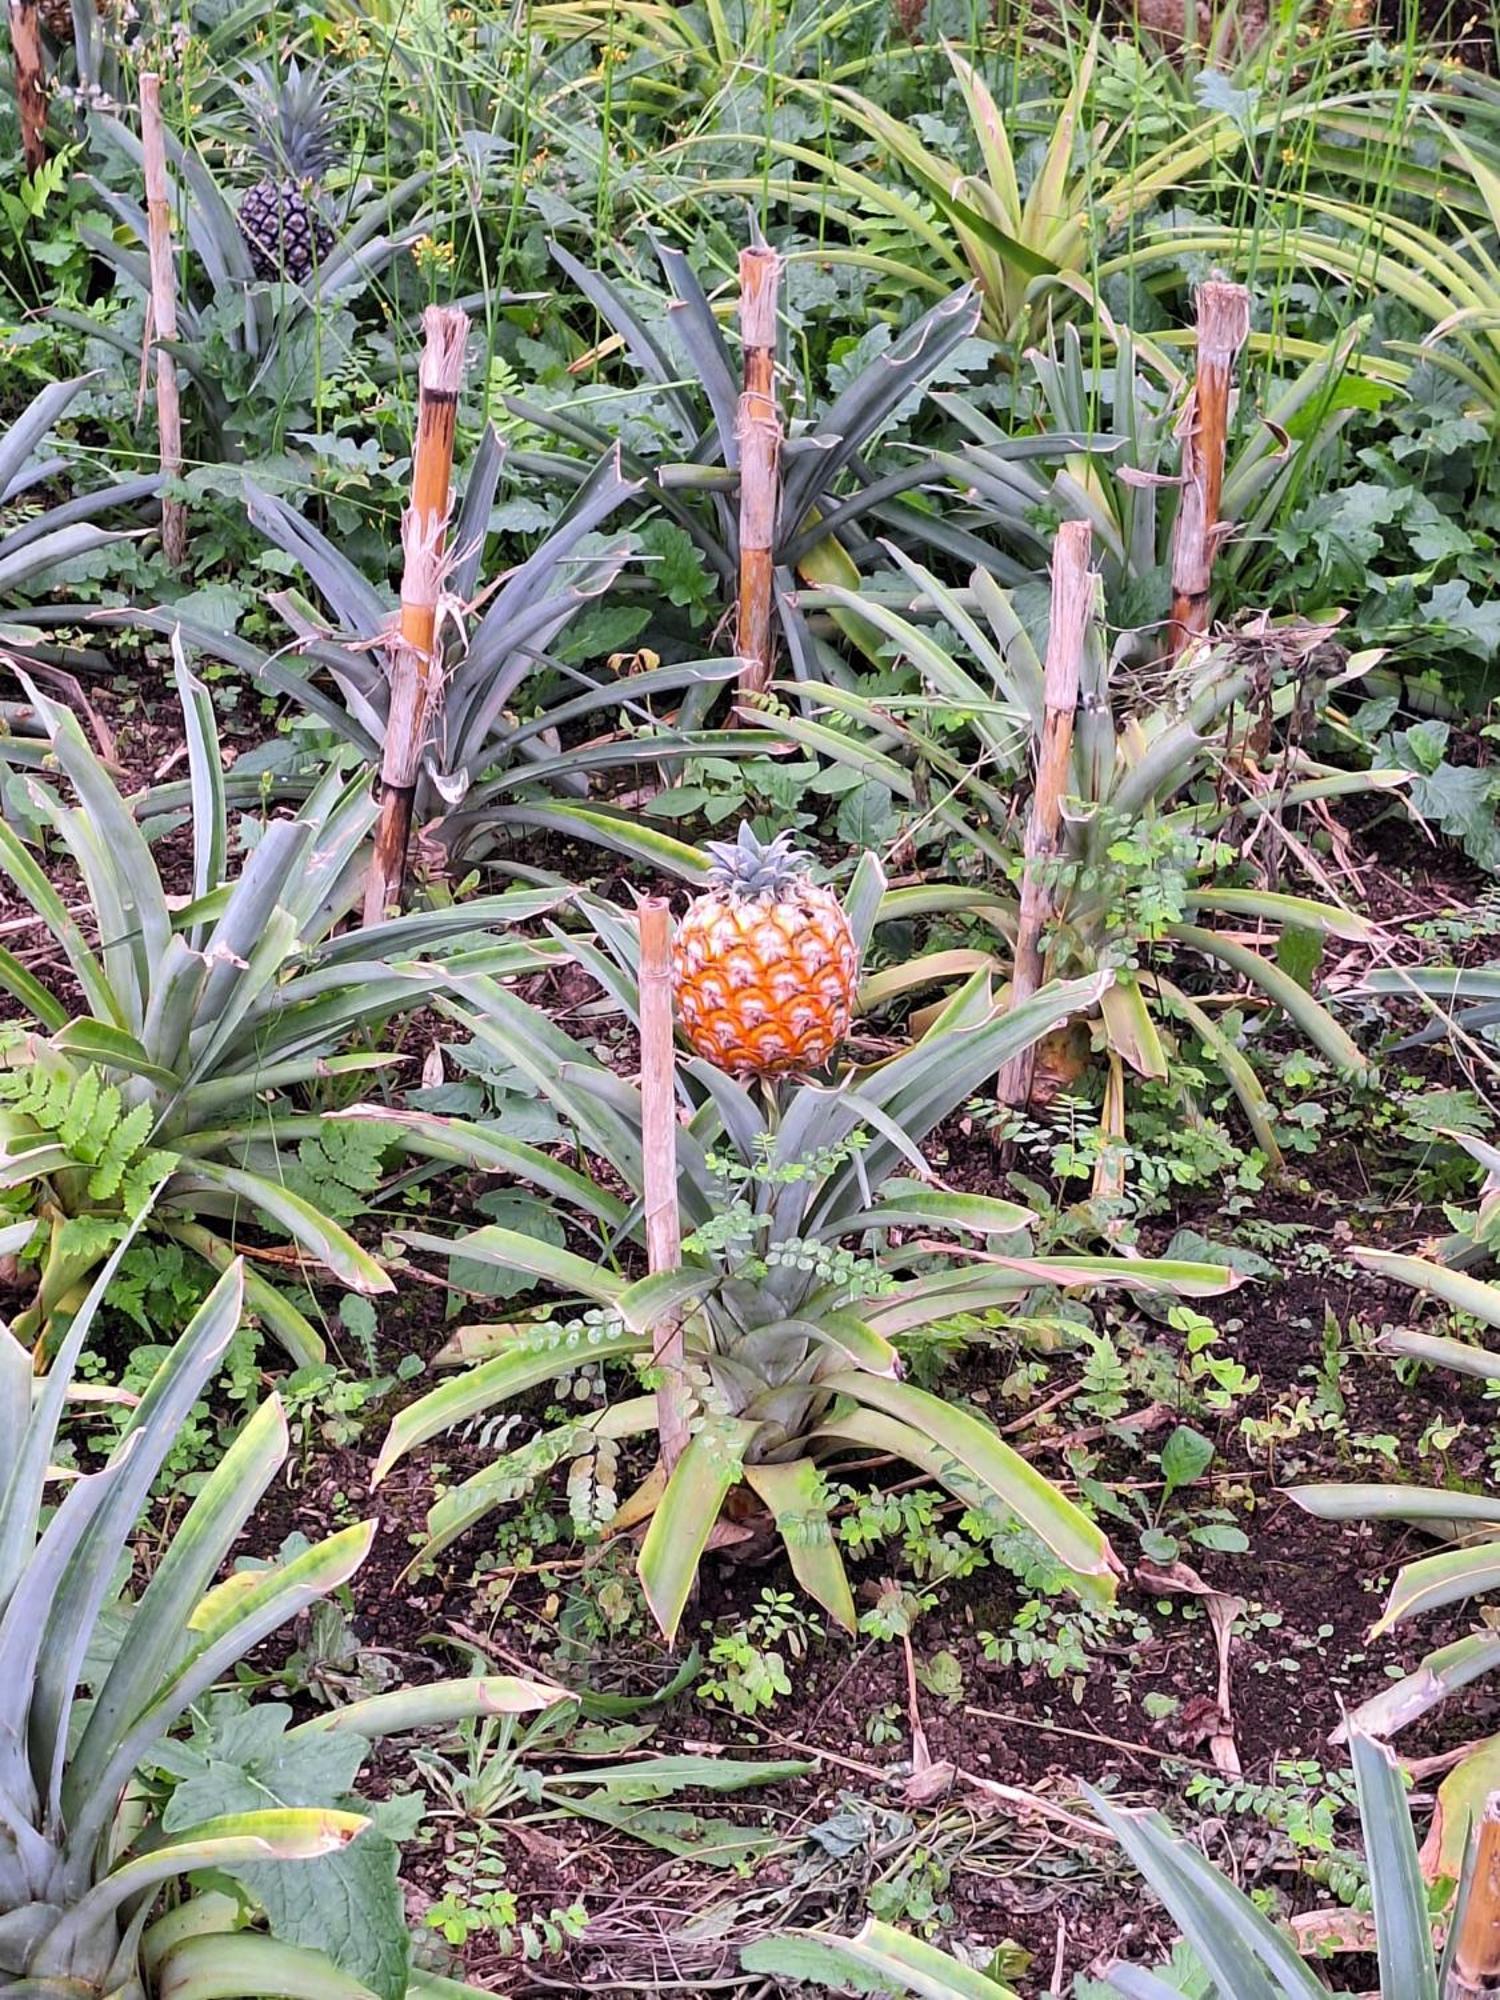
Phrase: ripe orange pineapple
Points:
(765, 964)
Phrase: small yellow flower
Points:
(431, 255)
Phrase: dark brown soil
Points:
(881, 1809)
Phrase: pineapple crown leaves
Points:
(751, 867)
(292, 121)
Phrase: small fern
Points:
(78, 1111)
(339, 1169)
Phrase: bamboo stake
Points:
(1474, 1970)
(758, 429)
(1072, 606)
(31, 86)
(414, 668)
(163, 322)
(1223, 329)
(659, 1152)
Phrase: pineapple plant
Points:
(284, 231)
(203, 1025)
(112, 1888)
(765, 963)
(796, 1283)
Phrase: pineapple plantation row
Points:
(748, 1146)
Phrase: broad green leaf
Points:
(1437, 1580)
(988, 1460)
(912, 1204)
(432, 1704)
(685, 1516)
(1312, 1019)
(797, 1499)
(1461, 1800)
(242, 1756)
(1454, 1288)
(1300, 912)
(1394, 1503)
(509, 1250)
(880, 1959)
(319, 1236)
(346, 1904)
(1244, 1953)
(1438, 1352)
(540, 1354)
(218, 1966)
(1398, 1895)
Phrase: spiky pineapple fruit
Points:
(765, 964)
(279, 219)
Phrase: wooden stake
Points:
(31, 84)
(1223, 329)
(414, 667)
(758, 429)
(163, 323)
(659, 1150)
(1073, 597)
(1474, 1971)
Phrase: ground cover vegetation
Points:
(749, 999)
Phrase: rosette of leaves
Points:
(792, 1292)
(1127, 487)
(839, 490)
(1028, 228)
(196, 1027)
(94, 1687)
(516, 741)
(1157, 789)
(38, 532)
(256, 351)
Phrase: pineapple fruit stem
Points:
(659, 1160)
(758, 429)
(163, 326)
(1074, 597)
(1223, 329)
(414, 670)
(31, 87)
